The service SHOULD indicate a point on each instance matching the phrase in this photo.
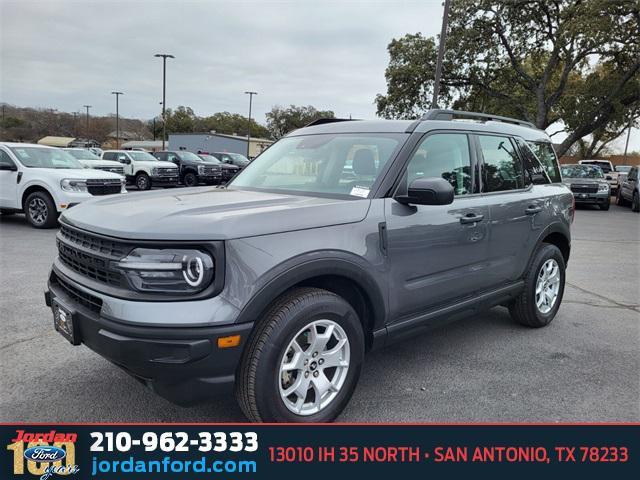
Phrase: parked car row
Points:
(43, 181)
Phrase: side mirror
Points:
(10, 168)
(428, 191)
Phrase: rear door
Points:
(517, 207)
(437, 253)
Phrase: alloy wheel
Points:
(314, 367)
(38, 211)
(547, 286)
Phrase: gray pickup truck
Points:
(342, 237)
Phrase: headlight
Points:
(154, 171)
(200, 169)
(603, 187)
(72, 185)
(167, 270)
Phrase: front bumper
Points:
(182, 364)
(591, 198)
(165, 181)
(210, 179)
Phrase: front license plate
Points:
(63, 321)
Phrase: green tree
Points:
(575, 61)
(232, 123)
(281, 121)
(182, 119)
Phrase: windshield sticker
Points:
(360, 192)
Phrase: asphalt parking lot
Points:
(583, 367)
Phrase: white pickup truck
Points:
(143, 169)
(610, 173)
(44, 181)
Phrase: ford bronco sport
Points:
(342, 237)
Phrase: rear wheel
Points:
(635, 203)
(143, 182)
(540, 300)
(304, 360)
(40, 210)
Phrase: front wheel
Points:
(540, 300)
(303, 361)
(40, 210)
(190, 179)
(143, 182)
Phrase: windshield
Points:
(605, 166)
(339, 164)
(83, 154)
(241, 159)
(582, 171)
(623, 168)
(189, 156)
(141, 156)
(35, 157)
(210, 159)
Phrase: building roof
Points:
(53, 141)
(143, 144)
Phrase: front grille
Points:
(87, 300)
(166, 172)
(118, 170)
(90, 255)
(99, 245)
(211, 171)
(95, 268)
(585, 188)
(104, 187)
(228, 173)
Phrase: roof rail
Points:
(438, 114)
(322, 121)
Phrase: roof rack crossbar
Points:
(322, 121)
(439, 114)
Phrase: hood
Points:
(79, 173)
(101, 163)
(583, 181)
(209, 214)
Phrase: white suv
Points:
(143, 169)
(91, 160)
(43, 181)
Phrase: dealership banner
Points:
(185, 451)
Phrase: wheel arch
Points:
(340, 276)
(559, 235)
(36, 187)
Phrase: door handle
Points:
(533, 209)
(471, 218)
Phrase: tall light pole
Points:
(87, 107)
(117, 94)
(443, 39)
(251, 94)
(164, 57)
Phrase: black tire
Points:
(190, 179)
(635, 202)
(524, 309)
(257, 386)
(605, 206)
(6, 213)
(620, 199)
(40, 210)
(143, 182)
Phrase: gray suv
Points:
(342, 237)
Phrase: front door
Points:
(437, 253)
(8, 181)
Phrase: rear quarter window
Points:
(547, 157)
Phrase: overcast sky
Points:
(329, 54)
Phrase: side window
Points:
(443, 155)
(122, 158)
(633, 174)
(547, 157)
(502, 166)
(109, 156)
(172, 157)
(5, 160)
